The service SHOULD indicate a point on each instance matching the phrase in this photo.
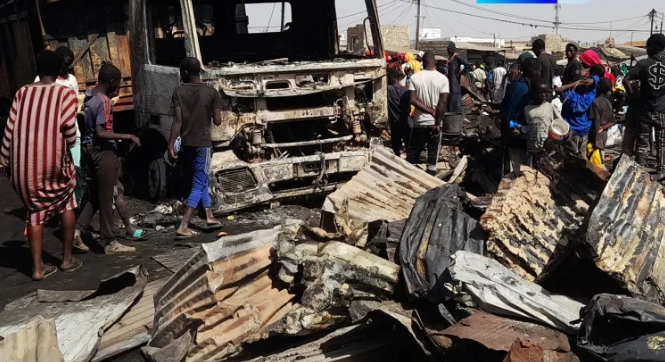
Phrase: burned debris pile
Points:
(406, 266)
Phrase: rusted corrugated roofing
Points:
(499, 333)
(528, 219)
(79, 324)
(386, 189)
(36, 342)
(627, 231)
(225, 294)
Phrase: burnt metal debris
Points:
(401, 258)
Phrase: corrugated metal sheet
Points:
(529, 220)
(499, 333)
(36, 342)
(132, 330)
(386, 189)
(498, 290)
(78, 324)
(627, 231)
(225, 294)
(350, 344)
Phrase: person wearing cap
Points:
(455, 64)
(651, 74)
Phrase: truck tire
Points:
(157, 179)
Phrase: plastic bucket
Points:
(559, 129)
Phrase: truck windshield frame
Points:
(229, 39)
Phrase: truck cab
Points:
(300, 113)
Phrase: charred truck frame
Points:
(299, 113)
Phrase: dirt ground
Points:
(16, 269)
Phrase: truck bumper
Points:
(236, 185)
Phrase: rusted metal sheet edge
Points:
(391, 176)
(626, 231)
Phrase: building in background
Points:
(488, 42)
(394, 36)
(342, 41)
(554, 44)
(430, 34)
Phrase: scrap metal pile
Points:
(559, 265)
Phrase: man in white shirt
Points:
(429, 95)
(498, 74)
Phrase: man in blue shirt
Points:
(578, 98)
(512, 111)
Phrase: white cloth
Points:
(428, 85)
(498, 74)
(556, 82)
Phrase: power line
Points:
(525, 24)
(365, 11)
(442, 21)
(493, 11)
(364, 14)
(406, 10)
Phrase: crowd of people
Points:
(532, 95)
(61, 155)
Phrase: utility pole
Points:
(418, 25)
(557, 7)
(662, 17)
(652, 15)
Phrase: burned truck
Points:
(300, 112)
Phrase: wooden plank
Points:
(83, 69)
(99, 52)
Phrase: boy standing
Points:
(195, 104)
(101, 157)
(602, 115)
(579, 97)
(573, 70)
(539, 117)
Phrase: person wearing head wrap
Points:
(590, 58)
(651, 74)
(413, 63)
(455, 71)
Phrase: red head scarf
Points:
(590, 58)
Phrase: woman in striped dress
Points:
(36, 151)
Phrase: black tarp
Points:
(621, 329)
(437, 228)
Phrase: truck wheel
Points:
(157, 179)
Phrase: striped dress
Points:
(39, 133)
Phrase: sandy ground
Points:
(16, 269)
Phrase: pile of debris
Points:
(403, 266)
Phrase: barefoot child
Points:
(195, 104)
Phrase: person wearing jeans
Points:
(195, 105)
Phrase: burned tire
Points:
(157, 179)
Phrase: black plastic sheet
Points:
(621, 329)
(437, 228)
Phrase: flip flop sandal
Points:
(76, 265)
(50, 270)
(214, 227)
(139, 235)
(186, 237)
